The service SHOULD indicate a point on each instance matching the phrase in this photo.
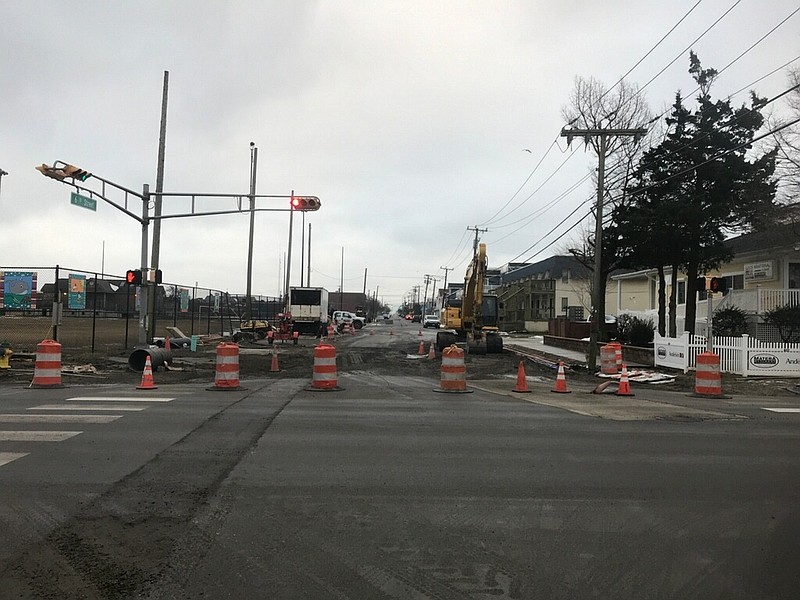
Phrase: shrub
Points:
(641, 332)
(624, 326)
(786, 319)
(730, 321)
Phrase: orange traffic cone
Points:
(147, 376)
(431, 352)
(391, 332)
(274, 368)
(522, 382)
(420, 333)
(624, 385)
(561, 381)
(421, 349)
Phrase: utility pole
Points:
(475, 243)
(425, 296)
(598, 320)
(445, 269)
(308, 274)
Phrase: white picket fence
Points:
(741, 355)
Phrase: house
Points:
(533, 294)
(764, 274)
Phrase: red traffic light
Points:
(133, 277)
(305, 203)
(718, 284)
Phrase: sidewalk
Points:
(536, 343)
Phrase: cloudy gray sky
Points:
(407, 119)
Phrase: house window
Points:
(735, 282)
(794, 276)
(564, 304)
(681, 292)
(565, 276)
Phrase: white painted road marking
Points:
(34, 418)
(37, 436)
(117, 407)
(119, 399)
(782, 410)
(7, 457)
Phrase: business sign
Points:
(76, 299)
(184, 293)
(768, 362)
(760, 271)
(671, 352)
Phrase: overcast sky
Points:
(409, 120)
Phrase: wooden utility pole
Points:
(597, 280)
(475, 242)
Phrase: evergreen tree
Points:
(697, 185)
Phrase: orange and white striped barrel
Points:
(47, 369)
(617, 355)
(226, 376)
(453, 371)
(708, 381)
(324, 377)
(608, 360)
(331, 331)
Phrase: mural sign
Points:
(76, 299)
(17, 290)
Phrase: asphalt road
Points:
(389, 489)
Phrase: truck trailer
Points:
(308, 307)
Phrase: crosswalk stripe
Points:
(7, 457)
(782, 410)
(118, 399)
(34, 418)
(37, 436)
(114, 407)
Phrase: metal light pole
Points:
(1, 176)
(249, 299)
(289, 255)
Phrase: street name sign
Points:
(83, 201)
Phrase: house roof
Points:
(550, 268)
(777, 236)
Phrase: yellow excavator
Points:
(472, 319)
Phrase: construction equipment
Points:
(473, 318)
(251, 331)
(284, 331)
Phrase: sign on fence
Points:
(774, 362)
(672, 352)
(741, 355)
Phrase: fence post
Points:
(745, 347)
(686, 350)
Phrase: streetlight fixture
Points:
(1, 177)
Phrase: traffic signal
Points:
(718, 284)
(700, 284)
(134, 277)
(76, 172)
(305, 203)
(62, 172)
(158, 276)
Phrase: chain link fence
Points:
(100, 311)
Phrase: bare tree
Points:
(788, 139)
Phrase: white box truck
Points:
(309, 309)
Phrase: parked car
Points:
(416, 318)
(431, 321)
